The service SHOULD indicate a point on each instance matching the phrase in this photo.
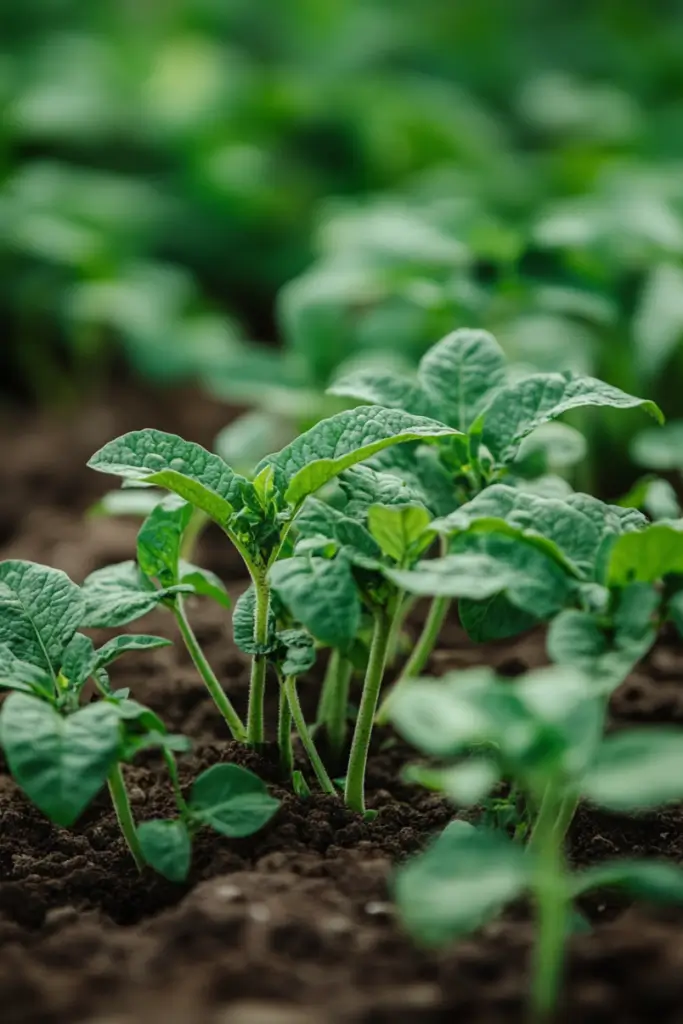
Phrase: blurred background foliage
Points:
(251, 194)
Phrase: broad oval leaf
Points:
(646, 556)
(40, 611)
(519, 408)
(637, 769)
(232, 800)
(166, 460)
(460, 372)
(321, 594)
(342, 441)
(402, 531)
(60, 763)
(119, 594)
(465, 877)
(167, 847)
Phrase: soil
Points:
(294, 925)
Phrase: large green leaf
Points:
(340, 442)
(646, 556)
(232, 800)
(322, 594)
(40, 611)
(195, 474)
(637, 769)
(465, 877)
(655, 881)
(519, 408)
(60, 763)
(119, 594)
(460, 372)
(167, 847)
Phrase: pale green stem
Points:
(198, 523)
(552, 907)
(305, 736)
(124, 814)
(284, 734)
(422, 651)
(355, 776)
(259, 663)
(334, 699)
(175, 782)
(407, 604)
(220, 698)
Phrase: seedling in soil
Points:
(257, 514)
(505, 433)
(543, 735)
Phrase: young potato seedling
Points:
(257, 514)
(543, 734)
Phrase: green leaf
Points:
(364, 486)
(519, 408)
(421, 469)
(441, 718)
(464, 784)
(167, 847)
(40, 611)
(660, 449)
(204, 583)
(16, 674)
(402, 531)
(119, 594)
(232, 800)
(460, 372)
(636, 770)
(250, 437)
(321, 594)
(297, 653)
(159, 541)
(129, 501)
(168, 461)
(60, 763)
(243, 618)
(340, 442)
(655, 881)
(78, 662)
(113, 649)
(465, 877)
(377, 387)
(646, 556)
(494, 619)
(318, 519)
(551, 448)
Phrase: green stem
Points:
(124, 814)
(417, 661)
(175, 782)
(552, 907)
(334, 700)
(259, 664)
(355, 776)
(284, 734)
(220, 698)
(407, 604)
(305, 736)
(198, 522)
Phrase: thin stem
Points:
(406, 606)
(124, 814)
(259, 664)
(355, 776)
(305, 736)
(198, 522)
(334, 700)
(422, 651)
(220, 698)
(175, 782)
(552, 907)
(284, 734)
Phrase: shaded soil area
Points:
(294, 925)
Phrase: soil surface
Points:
(294, 925)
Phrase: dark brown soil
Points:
(295, 925)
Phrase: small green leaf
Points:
(159, 541)
(297, 653)
(465, 784)
(400, 531)
(243, 618)
(167, 847)
(646, 556)
(119, 594)
(494, 619)
(464, 878)
(321, 594)
(636, 770)
(129, 501)
(232, 800)
(318, 519)
(340, 442)
(40, 611)
(659, 449)
(204, 583)
(519, 408)
(440, 718)
(461, 372)
(377, 387)
(113, 649)
(78, 662)
(183, 467)
(655, 881)
(16, 674)
(365, 486)
(60, 763)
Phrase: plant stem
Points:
(407, 604)
(259, 664)
(124, 814)
(307, 740)
(421, 653)
(175, 782)
(220, 698)
(284, 734)
(334, 699)
(553, 904)
(198, 522)
(355, 776)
